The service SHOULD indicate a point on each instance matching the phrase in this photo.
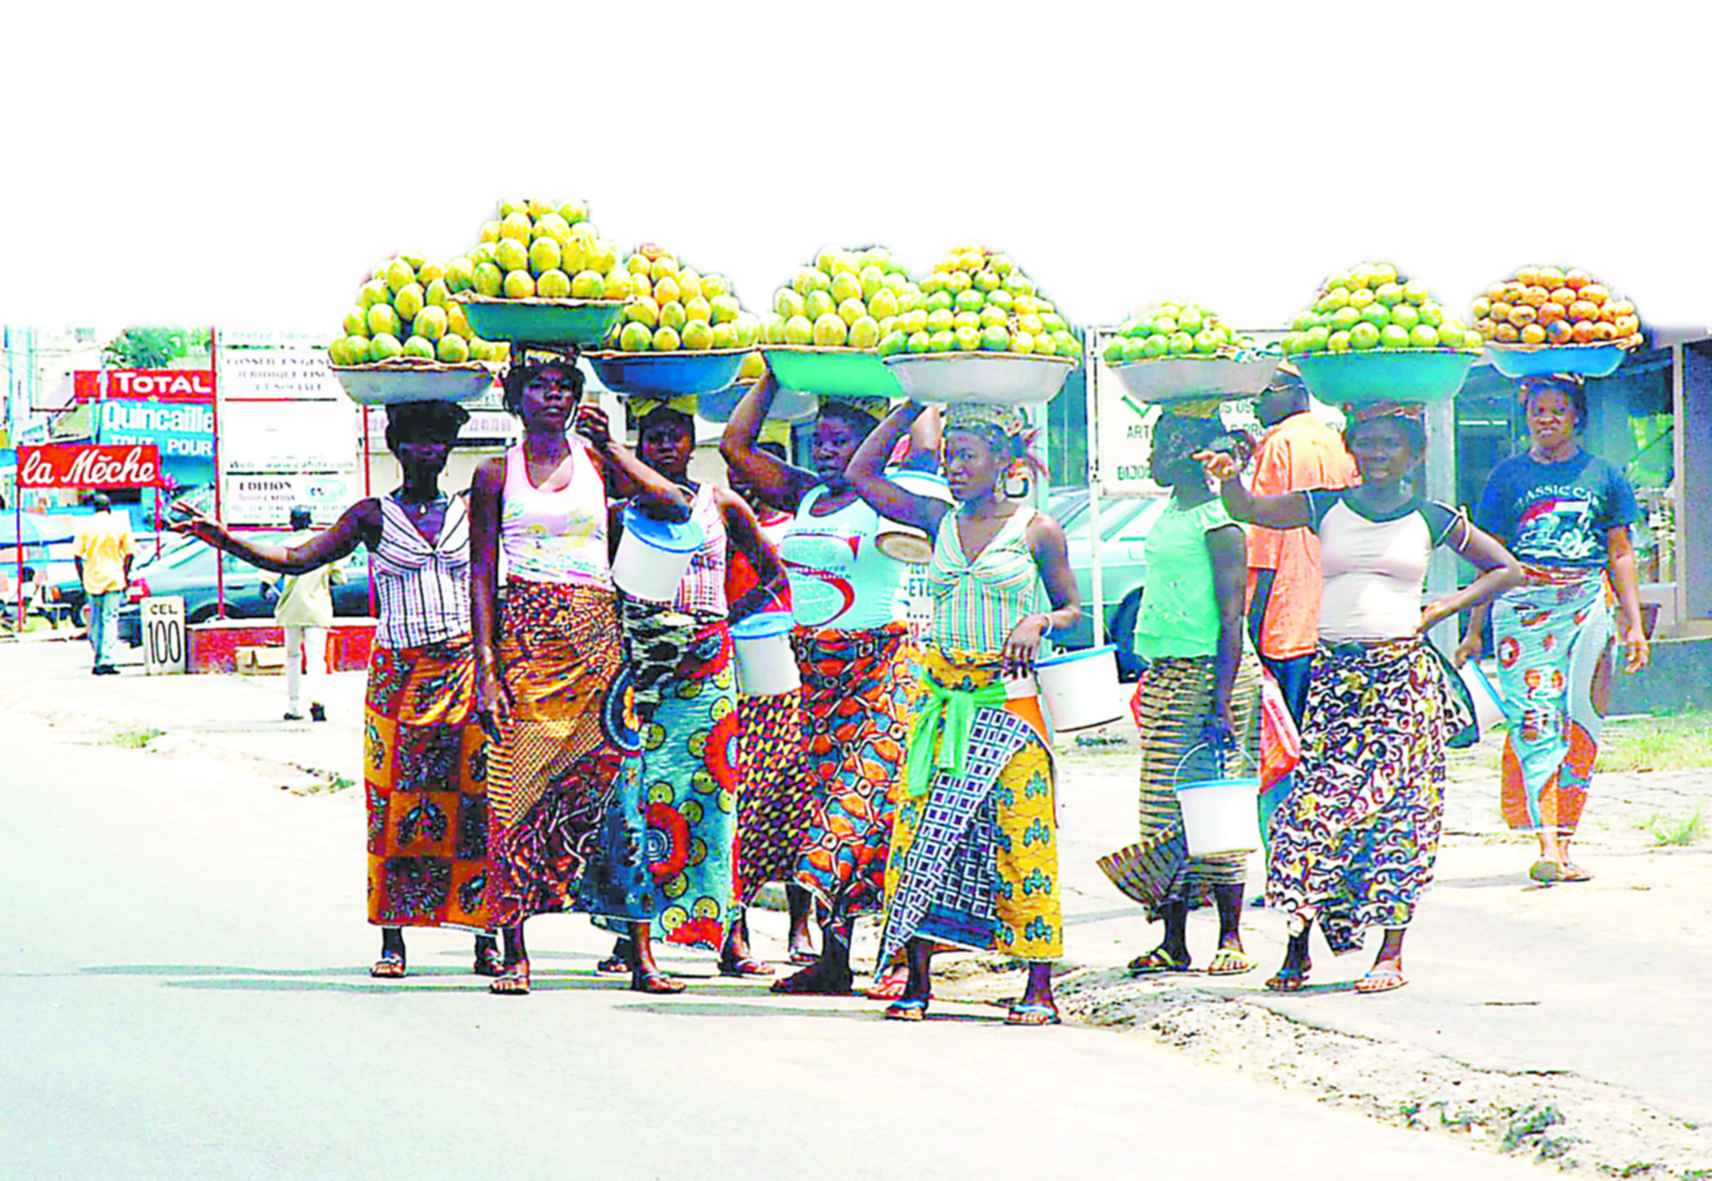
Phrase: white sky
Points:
(195, 164)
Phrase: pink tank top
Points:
(703, 587)
(555, 536)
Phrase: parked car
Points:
(1124, 525)
(187, 570)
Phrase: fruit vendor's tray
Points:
(580, 322)
(1385, 375)
(1174, 379)
(788, 405)
(409, 379)
(667, 375)
(1534, 360)
(831, 372)
(1015, 379)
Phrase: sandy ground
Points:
(1566, 1025)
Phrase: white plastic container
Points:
(653, 556)
(1488, 705)
(1220, 815)
(906, 543)
(1080, 689)
(766, 665)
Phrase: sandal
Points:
(488, 961)
(514, 981)
(803, 956)
(1288, 980)
(744, 966)
(655, 983)
(810, 982)
(1030, 1013)
(908, 1008)
(1156, 962)
(390, 966)
(1382, 978)
(1572, 872)
(1230, 961)
(889, 989)
(1545, 872)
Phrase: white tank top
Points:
(557, 535)
(703, 587)
(838, 578)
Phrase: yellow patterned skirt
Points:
(974, 861)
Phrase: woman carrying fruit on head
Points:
(1195, 701)
(849, 643)
(680, 664)
(1353, 844)
(974, 857)
(1566, 514)
(424, 759)
(565, 830)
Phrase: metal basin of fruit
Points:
(831, 372)
(1385, 375)
(580, 322)
(1536, 360)
(408, 379)
(788, 405)
(1013, 379)
(667, 375)
(1174, 379)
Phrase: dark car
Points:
(187, 571)
(1124, 525)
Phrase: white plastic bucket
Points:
(1220, 815)
(766, 665)
(906, 543)
(653, 556)
(1080, 689)
(1488, 705)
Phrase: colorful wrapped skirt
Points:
(1353, 844)
(974, 860)
(1170, 706)
(855, 703)
(425, 778)
(773, 798)
(683, 768)
(564, 832)
(1554, 637)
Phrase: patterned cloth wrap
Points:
(974, 862)
(1353, 845)
(1171, 703)
(855, 698)
(774, 798)
(1553, 637)
(563, 831)
(425, 771)
(680, 771)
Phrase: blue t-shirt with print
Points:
(1557, 514)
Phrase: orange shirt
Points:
(1298, 453)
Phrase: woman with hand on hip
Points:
(1194, 703)
(563, 831)
(1566, 515)
(974, 856)
(424, 757)
(1353, 845)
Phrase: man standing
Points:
(103, 554)
(1297, 452)
(305, 611)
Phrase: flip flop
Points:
(613, 965)
(1573, 873)
(1230, 961)
(746, 966)
(489, 962)
(1545, 872)
(1033, 1014)
(803, 957)
(655, 984)
(1288, 980)
(1157, 962)
(514, 981)
(1381, 980)
(908, 1009)
(889, 989)
(390, 966)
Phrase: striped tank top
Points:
(702, 590)
(976, 604)
(422, 587)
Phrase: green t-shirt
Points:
(1179, 610)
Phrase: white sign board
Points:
(267, 499)
(164, 640)
(288, 435)
(292, 373)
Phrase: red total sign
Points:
(169, 385)
(99, 466)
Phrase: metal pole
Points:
(219, 479)
(18, 537)
(1090, 365)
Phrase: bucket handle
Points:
(1177, 775)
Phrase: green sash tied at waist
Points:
(949, 715)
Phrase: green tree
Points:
(146, 348)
